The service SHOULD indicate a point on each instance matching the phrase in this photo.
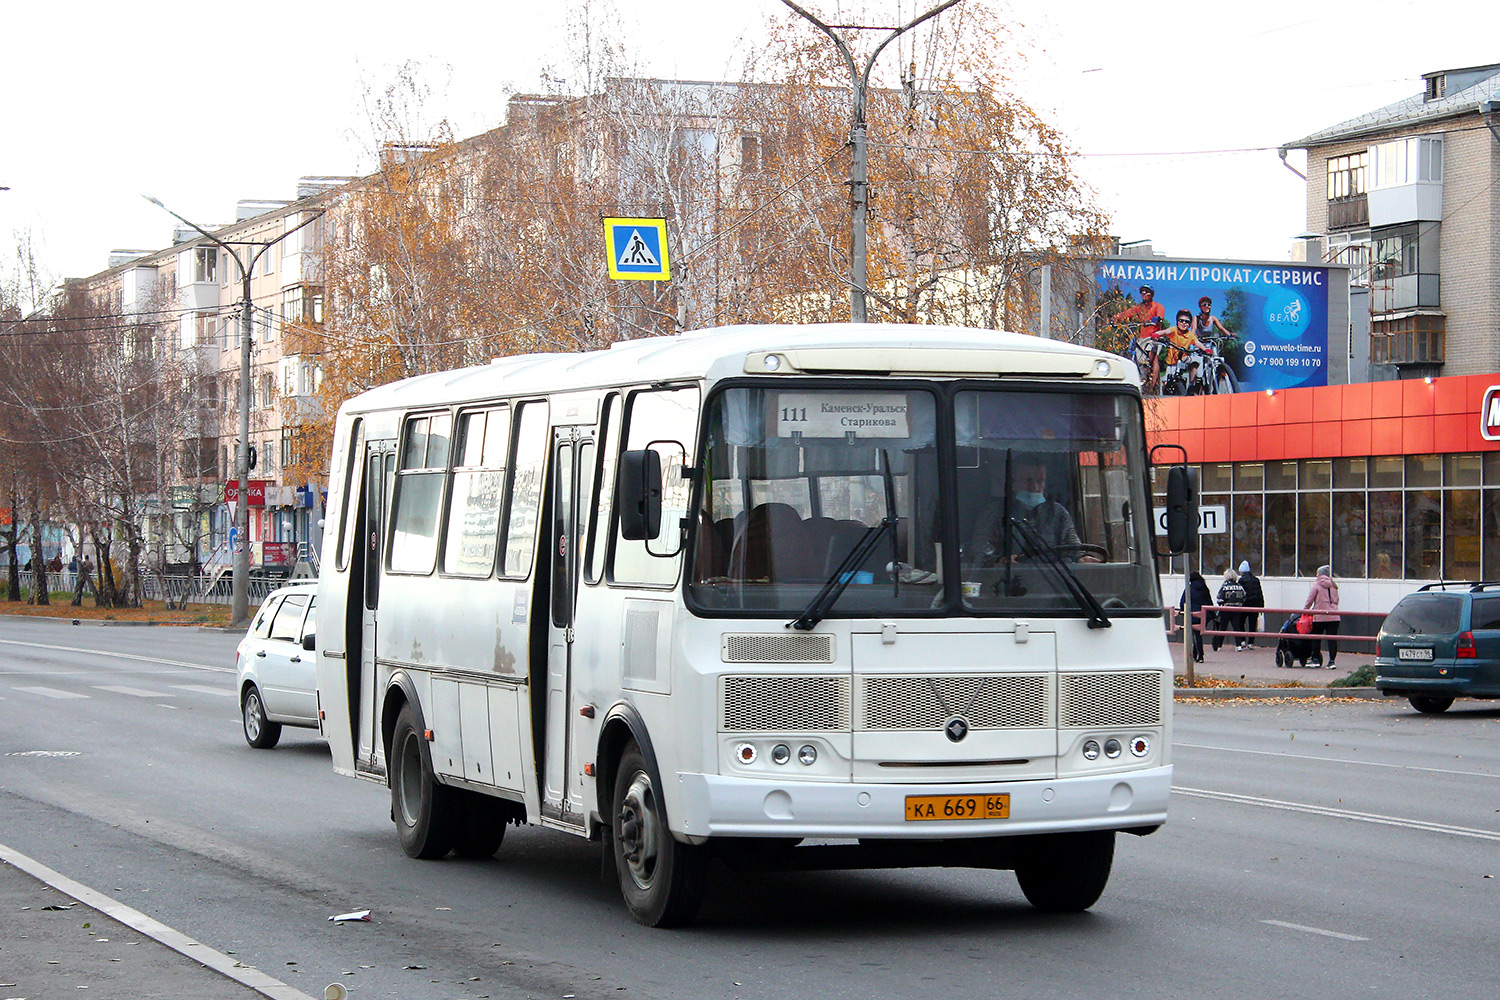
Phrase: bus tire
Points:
(1426, 704)
(260, 732)
(422, 808)
(479, 828)
(1066, 872)
(661, 878)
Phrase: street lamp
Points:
(858, 180)
(239, 606)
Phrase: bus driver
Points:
(1050, 520)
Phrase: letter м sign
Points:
(636, 249)
(1489, 414)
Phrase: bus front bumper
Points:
(713, 805)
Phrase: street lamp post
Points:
(859, 196)
(239, 606)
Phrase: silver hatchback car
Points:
(276, 666)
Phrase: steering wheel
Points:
(1088, 548)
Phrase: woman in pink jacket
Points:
(1323, 602)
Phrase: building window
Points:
(1437, 87)
(1408, 340)
(1405, 161)
(1346, 175)
(205, 264)
(267, 391)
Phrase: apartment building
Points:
(1408, 196)
(186, 300)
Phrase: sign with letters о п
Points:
(636, 249)
(1212, 520)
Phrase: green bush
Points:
(1363, 677)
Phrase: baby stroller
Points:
(1294, 646)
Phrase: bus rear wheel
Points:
(1066, 872)
(661, 879)
(479, 827)
(422, 808)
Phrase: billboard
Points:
(1265, 326)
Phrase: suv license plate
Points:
(941, 807)
(1413, 654)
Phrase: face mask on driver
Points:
(1030, 500)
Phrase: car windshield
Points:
(1425, 614)
(1047, 504)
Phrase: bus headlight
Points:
(781, 753)
(1112, 748)
(808, 755)
(1091, 750)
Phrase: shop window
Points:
(1491, 533)
(1281, 534)
(1385, 531)
(1313, 544)
(1461, 555)
(1349, 534)
(1213, 478)
(1424, 535)
(1215, 557)
(1249, 477)
(1349, 474)
(1424, 472)
(1247, 530)
(1386, 472)
(1315, 474)
(1491, 463)
(1461, 470)
(1281, 475)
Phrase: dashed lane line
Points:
(47, 692)
(133, 692)
(205, 689)
(1341, 760)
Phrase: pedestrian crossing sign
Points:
(637, 249)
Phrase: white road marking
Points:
(51, 692)
(1315, 930)
(1302, 807)
(118, 656)
(1342, 760)
(205, 689)
(133, 692)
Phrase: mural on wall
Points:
(1205, 328)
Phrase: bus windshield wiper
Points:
(1034, 547)
(817, 609)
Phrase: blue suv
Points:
(1441, 643)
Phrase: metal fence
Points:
(178, 588)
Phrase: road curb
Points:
(217, 961)
(1261, 694)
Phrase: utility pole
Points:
(859, 196)
(239, 601)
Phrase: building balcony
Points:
(1409, 340)
(1348, 213)
(1421, 201)
(1404, 292)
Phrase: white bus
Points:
(781, 596)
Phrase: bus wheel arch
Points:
(622, 725)
(398, 694)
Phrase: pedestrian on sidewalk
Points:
(1255, 597)
(1323, 602)
(1231, 595)
(1194, 599)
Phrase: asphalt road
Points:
(1334, 849)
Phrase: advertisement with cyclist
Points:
(1197, 328)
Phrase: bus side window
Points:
(666, 419)
(609, 446)
(350, 499)
(419, 493)
(525, 492)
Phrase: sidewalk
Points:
(57, 944)
(1256, 667)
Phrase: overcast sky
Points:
(1176, 106)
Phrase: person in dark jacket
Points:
(1255, 597)
(1231, 595)
(1196, 597)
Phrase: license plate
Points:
(1413, 654)
(941, 807)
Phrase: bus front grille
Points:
(1110, 699)
(792, 704)
(1006, 701)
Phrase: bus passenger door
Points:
(380, 472)
(564, 534)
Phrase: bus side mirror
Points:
(1182, 509)
(310, 642)
(640, 495)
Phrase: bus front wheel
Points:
(422, 808)
(1066, 872)
(661, 878)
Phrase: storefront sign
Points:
(1268, 322)
(257, 491)
(1489, 414)
(1212, 520)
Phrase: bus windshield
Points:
(812, 489)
